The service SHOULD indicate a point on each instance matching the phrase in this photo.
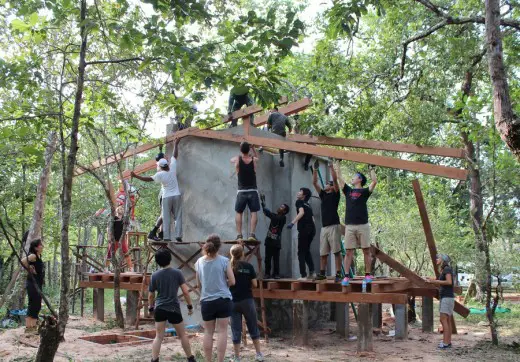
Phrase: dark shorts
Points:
(247, 198)
(216, 309)
(161, 315)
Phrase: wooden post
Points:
(342, 319)
(427, 314)
(401, 321)
(301, 322)
(365, 343)
(377, 315)
(132, 299)
(99, 311)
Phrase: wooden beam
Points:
(142, 168)
(384, 161)
(378, 145)
(291, 108)
(109, 285)
(426, 224)
(390, 298)
(413, 277)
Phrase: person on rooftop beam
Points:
(246, 166)
(238, 97)
(330, 236)
(357, 229)
(171, 194)
(306, 232)
(276, 123)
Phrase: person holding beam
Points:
(357, 229)
(330, 236)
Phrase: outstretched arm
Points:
(373, 178)
(176, 148)
(142, 178)
(315, 180)
(334, 177)
(341, 182)
(301, 212)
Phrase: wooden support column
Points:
(365, 343)
(377, 315)
(132, 300)
(401, 321)
(99, 305)
(342, 319)
(301, 322)
(427, 314)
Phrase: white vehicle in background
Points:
(464, 278)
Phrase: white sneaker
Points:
(259, 357)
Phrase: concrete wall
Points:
(209, 186)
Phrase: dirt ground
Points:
(471, 344)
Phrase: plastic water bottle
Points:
(364, 286)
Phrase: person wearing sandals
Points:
(214, 277)
(446, 296)
(243, 303)
(247, 196)
(35, 281)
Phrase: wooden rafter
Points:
(378, 145)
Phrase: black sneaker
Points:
(321, 277)
(161, 235)
(155, 360)
(306, 166)
(152, 234)
(154, 238)
(281, 163)
(192, 359)
(179, 240)
(267, 276)
(240, 237)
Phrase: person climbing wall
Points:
(171, 194)
(277, 123)
(247, 196)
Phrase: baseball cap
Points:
(162, 163)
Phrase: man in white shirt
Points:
(171, 194)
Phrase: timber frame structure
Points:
(384, 289)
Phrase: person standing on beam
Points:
(276, 123)
(171, 194)
(238, 97)
(357, 229)
(245, 166)
(330, 236)
(152, 235)
(306, 232)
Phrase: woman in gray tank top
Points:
(214, 277)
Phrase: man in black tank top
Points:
(245, 166)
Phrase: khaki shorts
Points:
(330, 240)
(357, 236)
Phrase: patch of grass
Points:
(508, 323)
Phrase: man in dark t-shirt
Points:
(276, 123)
(306, 232)
(273, 240)
(330, 236)
(357, 229)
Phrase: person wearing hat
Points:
(357, 229)
(152, 235)
(171, 194)
(446, 296)
(247, 195)
(330, 235)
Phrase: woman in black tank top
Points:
(37, 269)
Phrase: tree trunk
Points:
(482, 238)
(506, 122)
(48, 346)
(35, 230)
